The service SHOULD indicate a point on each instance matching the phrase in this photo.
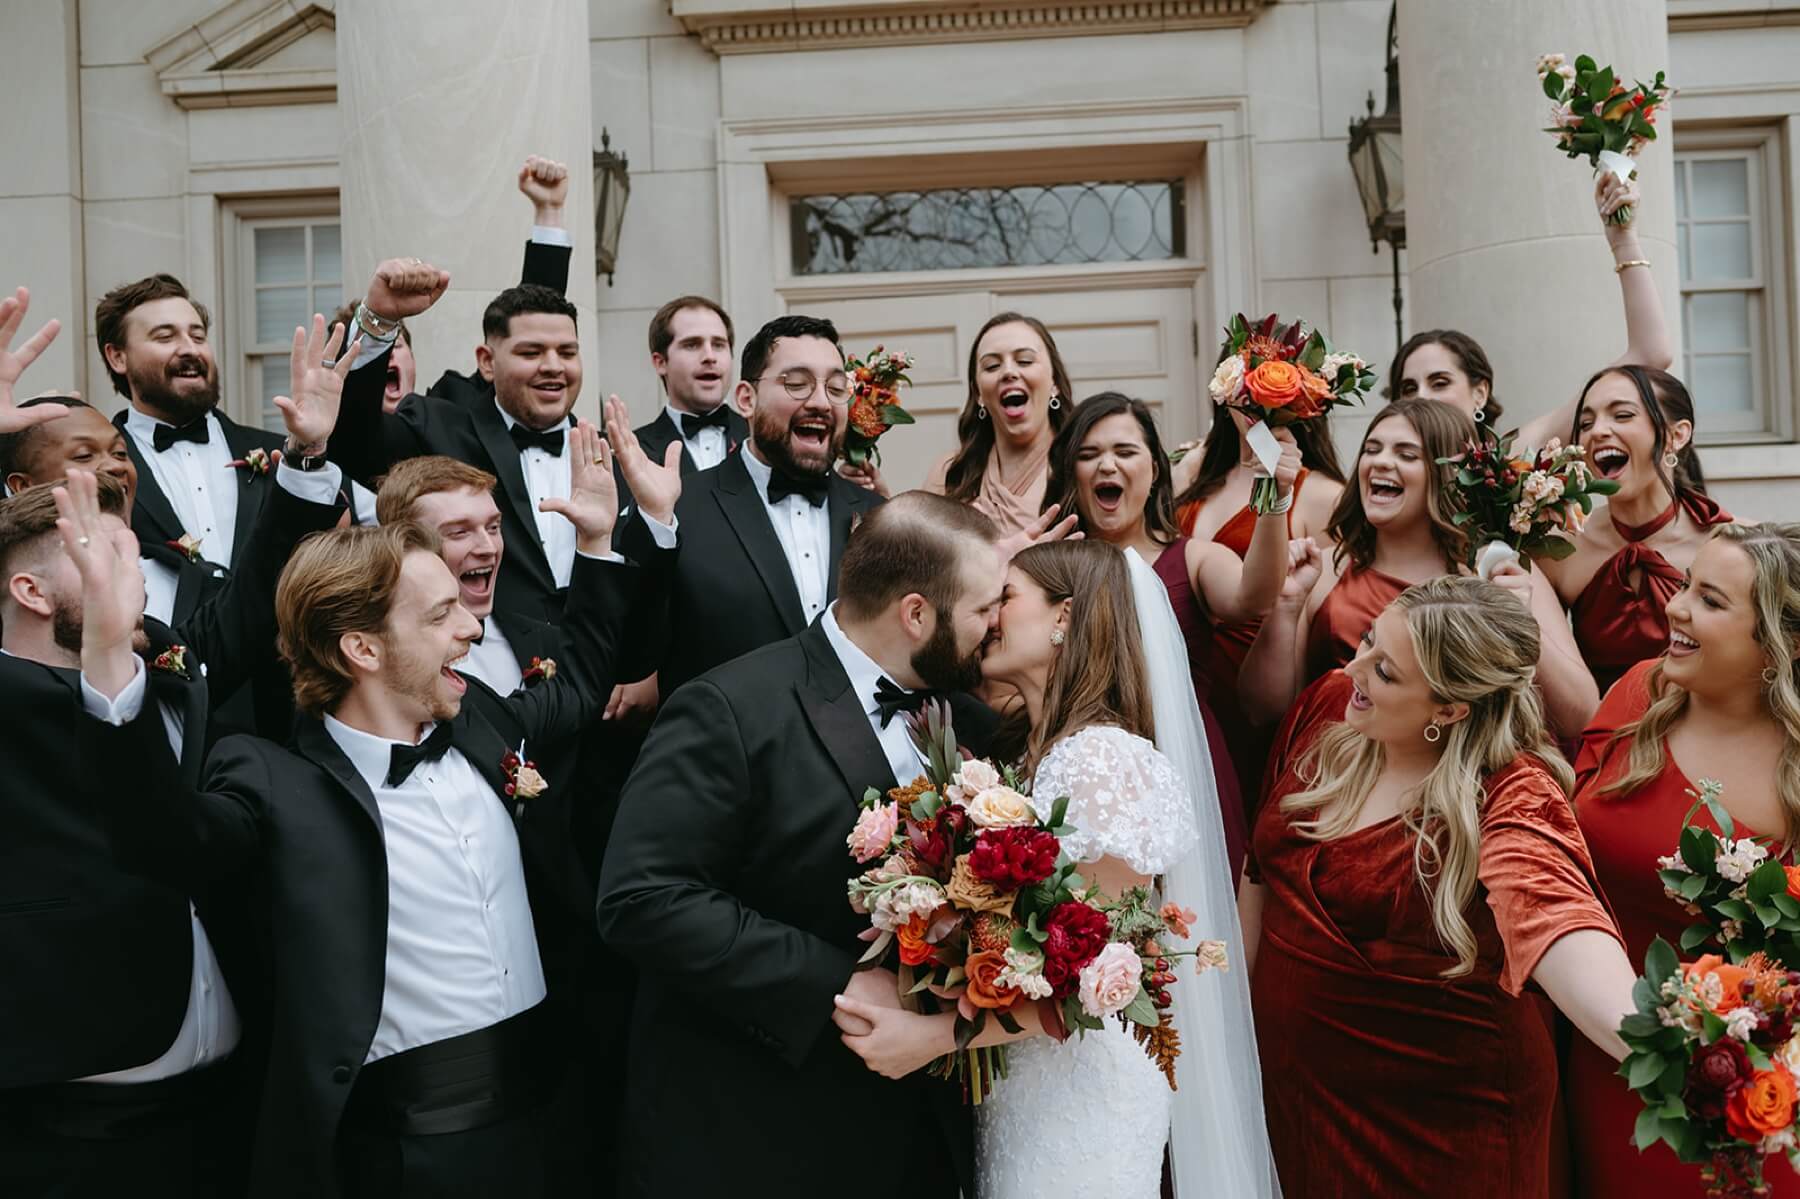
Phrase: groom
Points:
(724, 880)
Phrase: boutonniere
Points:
(523, 781)
(187, 545)
(173, 660)
(254, 463)
(541, 670)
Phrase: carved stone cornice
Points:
(218, 61)
(759, 26)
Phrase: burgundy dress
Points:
(1618, 616)
(1196, 630)
(1380, 1076)
(1627, 834)
(1345, 614)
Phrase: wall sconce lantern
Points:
(612, 189)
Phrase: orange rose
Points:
(983, 970)
(1761, 1106)
(1730, 979)
(1274, 384)
(914, 949)
(1793, 877)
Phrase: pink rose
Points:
(1111, 981)
(874, 832)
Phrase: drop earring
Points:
(1055, 401)
(1434, 732)
(1671, 460)
(981, 412)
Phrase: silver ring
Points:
(81, 541)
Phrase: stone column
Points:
(1501, 234)
(439, 103)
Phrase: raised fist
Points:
(404, 287)
(544, 181)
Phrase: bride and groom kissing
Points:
(759, 1054)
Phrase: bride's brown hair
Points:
(1099, 676)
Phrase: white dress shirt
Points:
(547, 476)
(492, 659)
(160, 584)
(462, 950)
(708, 447)
(805, 535)
(865, 674)
(198, 480)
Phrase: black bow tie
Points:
(719, 418)
(814, 487)
(196, 431)
(892, 698)
(402, 758)
(550, 441)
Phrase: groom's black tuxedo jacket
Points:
(153, 517)
(308, 826)
(656, 437)
(101, 958)
(724, 880)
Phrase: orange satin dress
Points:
(1220, 655)
(1345, 614)
(1381, 1077)
(1618, 616)
(1626, 834)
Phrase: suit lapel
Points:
(316, 745)
(529, 638)
(505, 456)
(837, 716)
(190, 577)
(661, 432)
(151, 513)
(842, 513)
(186, 694)
(749, 519)
(250, 488)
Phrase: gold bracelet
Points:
(1619, 268)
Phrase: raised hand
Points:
(310, 410)
(13, 363)
(545, 182)
(404, 287)
(1515, 578)
(593, 503)
(1611, 194)
(656, 488)
(1288, 468)
(1045, 528)
(1305, 564)
(112, 581)
(868, 477)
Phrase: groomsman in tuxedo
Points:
(691, 346)
(126, 1058)
(398, 850)
(724, 879)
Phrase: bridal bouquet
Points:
(1516, 504)
(968, 887)
(1714, 1048)
(875, 384)
(1280, 374)
(1595, 116)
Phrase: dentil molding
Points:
(756, 26)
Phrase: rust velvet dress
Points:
(1618, 616)
(1196, 630)
(1222, 653)
(1380, 1077)
(1344, 615)
(1627, 833)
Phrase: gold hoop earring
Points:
(1770, 675)
(1434, 732)
(1056, 637)
(1671, 460)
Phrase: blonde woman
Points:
(1416, 866)
(1723, 703)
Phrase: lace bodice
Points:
(1125, 799)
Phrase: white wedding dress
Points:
(1090, 1116)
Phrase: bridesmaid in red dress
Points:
(1724, 704)
(1637, 426)
(1108, 467)
(1400, 911)
(1215, 505)
(1394, 528)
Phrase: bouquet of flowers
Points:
(967, 885)
(1595, 116)
(1713, 1046)
(1280, 374)
(875, 402)
(1521, 504)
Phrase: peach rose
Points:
(1000, 807)
(914, 949)
(1761, 1106)
(1719, 983)
(1111, 981)
(1274, 384)
(967, 891)
(984, 991)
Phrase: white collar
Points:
(506, 416)
(367, 752)
(865, 672)
(143, 426)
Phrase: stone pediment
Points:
(752, 26)
(252, 52)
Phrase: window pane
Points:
(1721, 187)
(281, 255)
(1718, 320)
(274, 373)
(1722, 383)
(1720, 251)
(1681, 252)
(1681, 186)
(278, 310)
(328, 254)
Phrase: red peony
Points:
(1015, 857)
(1717, 1071)
(934, 841)
(1076, 935)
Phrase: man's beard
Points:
(942, 668)
(155, 390)
(414, 678)
(65, 629)
(775, 444)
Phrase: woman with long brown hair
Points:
(1019, 396)
(1417, 866)
(1394, 527)
(1721, 703)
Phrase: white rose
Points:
(1337, 361)
(1000, 807)
(974, 777)
(1227, 380)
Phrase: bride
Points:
(1087, 636)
